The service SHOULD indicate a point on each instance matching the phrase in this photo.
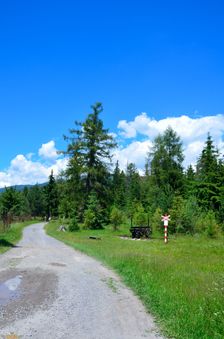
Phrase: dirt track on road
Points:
(50, 291)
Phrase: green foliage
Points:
(37, 200)
(180, 284)
(89, 149)
(191, 212)
(93, 216)
(51, 193)
(133, 184)
(24, 209)
(176, 223)
(209, 177)
(73, 224)
(164, 187)
(118, 188)
(93, 190)
(140, 217)
(64, 207)
(156, 223)
(116, 218)
(207, 164)
(184, 214)
(10, 204)
(220, 213)
(190, 181)
(130, 210)
(206, 223)
(165, 158)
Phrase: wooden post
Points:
(165, 219)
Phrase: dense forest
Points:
(94, 192)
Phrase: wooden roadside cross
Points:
(165, 219)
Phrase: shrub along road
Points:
(48, 290)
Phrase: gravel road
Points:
(50, 291)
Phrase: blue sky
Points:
(57, 58)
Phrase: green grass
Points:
(9, 238)
(181, 284)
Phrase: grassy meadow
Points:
(9, 238)
(181, 284)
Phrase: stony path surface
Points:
(50, 291)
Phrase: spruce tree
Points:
(208, 181)
(116, 218)
(94, 215)
(89, 148)
(165, 159)
(37, 201)
(190, 181)
(140, 217)
(133, 184)
(118, 189)
(10, 205)
(51, 197)
(207, 164)
(73, 224)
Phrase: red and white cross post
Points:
(165, 219)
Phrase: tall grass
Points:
(181, 283)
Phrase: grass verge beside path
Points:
(181, 284)
(9, 238)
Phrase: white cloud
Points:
(127, 129)
(23, 170)
(188, 128)
(192, 151)
(135, 152)
(48, 151)
(193, 133)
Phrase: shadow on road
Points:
(5, 243)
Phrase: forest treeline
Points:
(94, 192)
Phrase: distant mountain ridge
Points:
(21, 187)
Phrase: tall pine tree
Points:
(165, 159)
(119, 187)
(208, 177)
(51, 197)
(89, 148)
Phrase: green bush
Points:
(93, 216)
(116, 218)
(140, 217)
(156, 223)
(73, 224)
(206, 223)
(183, 214)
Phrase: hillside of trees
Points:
(94, 192)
